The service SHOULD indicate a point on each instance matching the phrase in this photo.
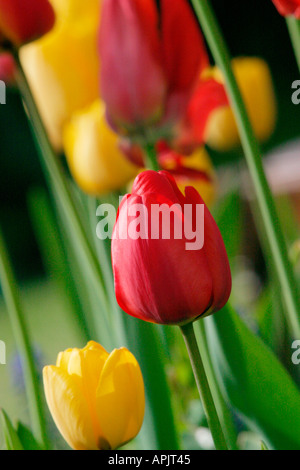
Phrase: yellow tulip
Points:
(96, 399)
(255, 82)
(63, 67)
(92, 152)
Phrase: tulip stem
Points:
(17, 320)
(203, 387)
(294, 30)
(266, 203)
(151, 157)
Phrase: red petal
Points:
(22, 21)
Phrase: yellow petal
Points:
(256, 85)
(91, 148)
(69, 409)
(120, 398)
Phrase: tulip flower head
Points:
(96, 399)
(288, 7)
(171, 272)
(150, 61)
(23, 21)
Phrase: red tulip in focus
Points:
(22, 21)
(150, 61)
(161, 275)
(288, 7)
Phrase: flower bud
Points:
(96, 399)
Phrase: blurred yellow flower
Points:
(92, 152)
(256, 85)
(63, 67)
(97, 399)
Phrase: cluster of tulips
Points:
(126, 92)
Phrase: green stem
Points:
(151, 157)
(20, 332)
(203, 387)
(56, 176)
(252, 152)
(294, 30)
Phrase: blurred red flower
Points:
(151, 60)
(22, 21)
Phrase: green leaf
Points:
(11, 437)
(254, 381)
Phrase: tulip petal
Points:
(120, 398)
(183, 288)
(185, 55)
(23, 21)
(69, 409)
(132, 79)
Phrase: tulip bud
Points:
(96, 399)
(171, 272)
(150, 61)
(288, 7)
(23, 21)
(256, 85)
(93, 155)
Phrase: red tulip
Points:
(165, 279)
(150, 60)
(288, 7)
(22, 21)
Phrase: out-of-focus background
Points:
(252, 28)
